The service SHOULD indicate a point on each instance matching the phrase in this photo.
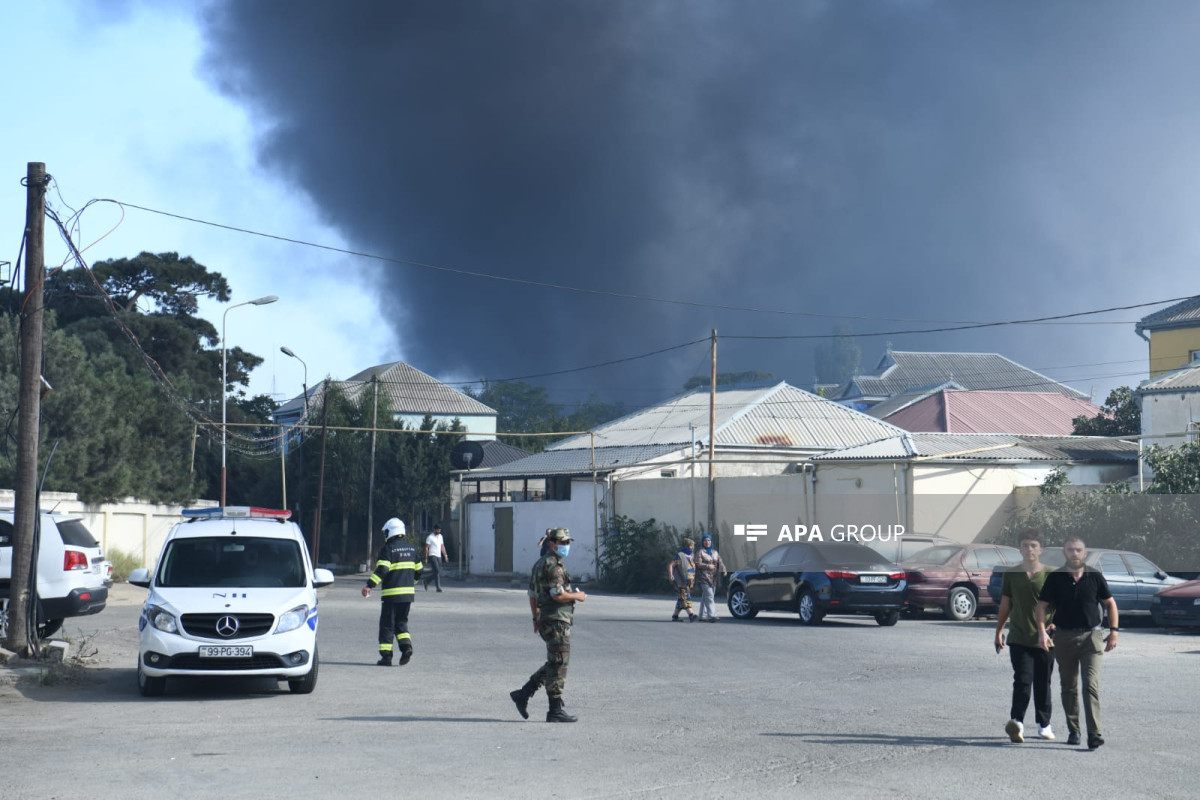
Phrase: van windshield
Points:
(222, 561)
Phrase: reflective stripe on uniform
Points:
(398, 591)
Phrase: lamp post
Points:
(262, 301)
(299, 441)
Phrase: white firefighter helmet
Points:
(393, 527)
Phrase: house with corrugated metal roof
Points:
(1173, 335)
(900, 372)
(654, 463)
(407, 393)
(1170, 405)
(963, 411)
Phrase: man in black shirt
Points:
(1076, 593)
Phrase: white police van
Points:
(233, 594)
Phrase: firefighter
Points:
(398, 568)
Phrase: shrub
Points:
(123, 564)
(634, 556)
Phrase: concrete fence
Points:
(133, 527)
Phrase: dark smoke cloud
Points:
(941, 161)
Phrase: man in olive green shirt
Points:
(1032, 666)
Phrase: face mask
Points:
(564, 550)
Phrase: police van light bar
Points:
(237, 512)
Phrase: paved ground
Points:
(764, 708)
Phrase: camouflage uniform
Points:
(554, 622)
(683, 573)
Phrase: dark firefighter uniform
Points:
(397, 570)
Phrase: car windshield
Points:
(226, 562)
(935, 556)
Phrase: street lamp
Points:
(262, 301)
(300, 440)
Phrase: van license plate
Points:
(226, 651)
(872, 578)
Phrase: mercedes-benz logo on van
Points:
(227, 626)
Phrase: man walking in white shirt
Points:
(435, 551)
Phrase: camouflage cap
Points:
(559, 535)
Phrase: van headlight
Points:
(162, 619)
(292, 619)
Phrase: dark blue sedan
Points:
(813, 579)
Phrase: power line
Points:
(971, 326)
(618, 295)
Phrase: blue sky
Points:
(117, 108)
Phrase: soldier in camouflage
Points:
(552, 618)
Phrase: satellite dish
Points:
(466, 455)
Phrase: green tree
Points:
(1176, 469)
(131, 365)
(836, 360)
(1119, 416)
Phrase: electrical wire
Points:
(961, 324)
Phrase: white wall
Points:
(530, 521)
(1168, 413)
(134, 528)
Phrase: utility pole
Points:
(316, 553)
(371, 481)
(20, 637)
(712, 429)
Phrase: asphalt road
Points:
(762, 708)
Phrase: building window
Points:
(558, 488)
(667, 473)
(1193, 356)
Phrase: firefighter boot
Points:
(385, 660)
(556, 712)
(522, 696)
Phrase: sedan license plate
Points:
(227, 651)
(872, 578)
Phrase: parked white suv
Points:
(234, 594)
(70, 579)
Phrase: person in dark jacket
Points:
(397, 570)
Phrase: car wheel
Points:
(307, 683)
(739, 605)
(810, 613)
(49, 628)
(46, 627)
(961, 604)
(887, 618)
(148, 685)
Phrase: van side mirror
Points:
(140, 577)
(322, 577)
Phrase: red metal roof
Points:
(1045, 413)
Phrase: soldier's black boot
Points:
(556, 712)
(522, 697)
